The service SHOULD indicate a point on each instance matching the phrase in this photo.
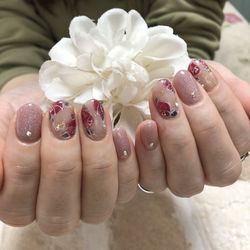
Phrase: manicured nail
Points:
(122, 144)
(93, 119)
(149, 135)
(28, 123)
(187, 88)
(203, 74)
(164, 98)
(62, 120)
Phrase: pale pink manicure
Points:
(187, 88)
(122, 144)
(93, 119)
(28, 123)
(203, 74)
(149, 135)
(165, 100)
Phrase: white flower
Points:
(115, 60)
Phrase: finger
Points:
(21, 167)
(7, 112)
(218, 155)
(128, 172)
(239, 87)
(184, 171)
(226, 102)
(150, 157)
(100, 177)
(58, 204)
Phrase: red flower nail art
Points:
(203, 74)
(165, 101)
(62, 120)
(93, 119)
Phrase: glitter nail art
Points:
(28, 123)
(62, 119)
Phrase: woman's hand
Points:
(62, 166)
(197, 134)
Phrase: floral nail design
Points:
(93, 119)
(165, 101)
(203, 74)
(62, 119)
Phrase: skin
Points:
(58, 190)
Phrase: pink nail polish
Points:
(93, 119)
(62, 120)
(149, 135)
(28, 123)
(122, 144)
(187, 88)
(165, 100)
(203, 74)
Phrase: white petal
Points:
(64, 52)
(57, 80)
(160, 29)
(86, 95)
(78, 25)
(164, 46)
(130, 118)
(76, 78)
(84, 62)
(112, 25)
(143, 107)
(58, 90)
(111, 83)
(136, 31)
(127, 94)
(98, 93)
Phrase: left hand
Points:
(200, 141)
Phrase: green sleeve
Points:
(198, 22)
(24, 39)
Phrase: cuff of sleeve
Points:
(9, 74)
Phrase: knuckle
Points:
(24, 173)
(181, 141)
(57, 225)
(228, 174)
(207, 126)
(104, 167)
(96, 217)
(16, 218)
(188, 190)
(64, 168)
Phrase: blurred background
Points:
(243, 6)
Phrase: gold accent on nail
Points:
(60, 126)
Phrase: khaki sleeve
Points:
(198, 22)
(25, 39)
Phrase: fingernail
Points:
(187, 88)
(165, 100)
(93, 119)
(203, 74)
(149, 135)
(122, 144)
(28, 123)
(62, 120)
